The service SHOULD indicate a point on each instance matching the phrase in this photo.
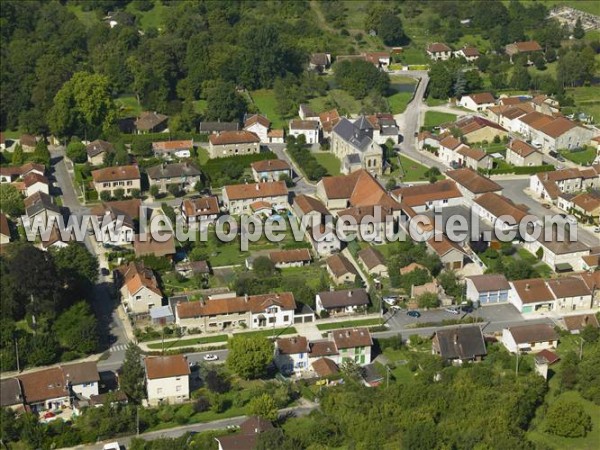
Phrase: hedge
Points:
(153, 137)
(216, 165)
(530, 170)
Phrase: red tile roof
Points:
(483, 97)
(203, 206)
(498, 205)
(118, 173)
(290, 256)
(166, 366)
(352, 337)
(438, 47)
(473, 181)
(257, 118)
(292, 345)
(521, 148)
(233, 137)
(252, 303)
(256, 190)
(270, 165)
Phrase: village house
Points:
(353, 344)
(529, 338)
(11, 394)
(97, 151)
(532, 295)
(306, 112)
(276, 136)
(290, 258)
(237, 199)
(291, 355)
(519, 153)
(587, 204)
(5, 234)
(202, 210)
(368, 223)
(553, 133)
(424, 197)
(28, 143)
(259, 125)
(217, 127)
(451, 254)
(571, 294)
(248, 311)
(522, 48)
(270, 170)
(328, 120)
(167, 379)
(473, 158)
(319, 61)
(477, 102)
(438, 51)
(169, 149)
(497, 211)
(592, 281)
(478, 129)
(109, 179)
(139, 288)
(190, 268)
(471, 184)
(151, 122)
(545, 104)
(311, 208)
(560, 256)
(467, 52)
(324, 367)
(307, 128)
(576, 323)
(145, 244)
(324, 239)
(353, 144)
(341, 270)
(232, 143)
(82, 379)
(10, 174)
(45, 390)
(487, 289)
(460, 344)
(507, 116)
(381, 60)
(41, 205)
(344, 302)
(374, 262)
(34, 182)
(385, 128)
(447, 149)
(117, 221)
(247, 437)
(183, 175)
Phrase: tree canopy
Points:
(249, 355)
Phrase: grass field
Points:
(404, 88)
(128, 106)
(411, 171)
(189, 342)
(336, 98)
(349, 324)
(152, 18)
(584, 157)
(435, 118)
(435, 101)
(266, 104)
(587, 100)
(329, 161)
(88, 18)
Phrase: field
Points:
(587, 100)
(410, 170)
(435, 118)
(329, 161)
(266, 104)
(152, 18)
(349, 324)
(128, 106)
(584, 157)
(336, 98)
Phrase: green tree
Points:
(83, 106)
(263, 406)
(264, 267)
(568, 419)
(11, 202)
(18, 157)
(119, 193)
(520, 78)
(390, 184)
(390, 29)
(76, 265)
(428, 300)
(77, 329)
(249, 355)
(41, 349)
(76, 151)
(223, 102)
(105, 196)
(121, 156)
(578, 31)
(41, 154)
(154, 190)
(360, 77)
(131, 380)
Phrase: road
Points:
(302, 185)
(196, 428)
(514, 189)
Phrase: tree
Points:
(590, 333)
(77, 329)
(578, 31)
(154, 190)
(520, 78)
(539, 61)
(360, 77)
(136, 193)
(18, 157)
(264, 267)
(216, 381)
(120, 156)
(264, 407)
(223, 102)
(568, 419)
(131, 380)
(119, 193)
(550, 55)
(76, 265)
(83, 106)
(428, 300)
(249, 355)
(174, 189)
(141, 148)
(11, 202)
(105, 196)
(76, 152)
(390, 184)
(441, 80)
(41, 155)
(390, 29)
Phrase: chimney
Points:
(349, 293)
(257, 186)
(455, 338)
(527, 287)
(246, 298)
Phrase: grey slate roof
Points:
(214, 127)
(348, 297)
(173, 170)
(39, 202)
(352, 133)
(10, 392)
(461, 343)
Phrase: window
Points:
(286, 318)
(271, 319)
(178, 388)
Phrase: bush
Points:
(76, 152)
(568, 419)
(184, 413)
(105, 196)
(202, 404)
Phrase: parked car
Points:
(391, 300)
(560, 158)
(210, 357)
(395, 308)
(597, 230)
(105, 272)
(466, 309)
(553, 153)
(454, 311)
(547, 205)
(415, 314)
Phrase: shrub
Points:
(568, 419)
(202, 404)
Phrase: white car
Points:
(452, 311)
(210, 357)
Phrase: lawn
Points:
(587, 100)
(436, 118)
(435, 101)
(336, 98)
(128, 106)
(264, 99)
(310, 275)
(414, 56)
(584, 157)
(329, 161)
(152, 18)
(404, 88)
(203, 156)
(87, 18)
(220, 338)
(349, 324)
(271, 332)
(410, 170)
